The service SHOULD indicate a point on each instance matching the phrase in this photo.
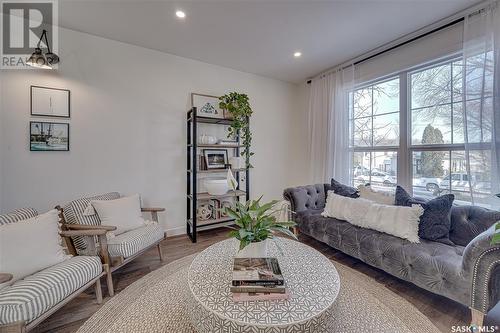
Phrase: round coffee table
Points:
(312, 280)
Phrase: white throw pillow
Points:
(352, 210)
(399, 221)
(31, 245)
(384, 198)
(124, 213)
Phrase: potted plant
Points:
(236, 107)
(256, 224)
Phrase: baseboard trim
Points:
(176, 231)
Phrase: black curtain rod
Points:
(406, 42)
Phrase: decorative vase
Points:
(217, 186)
(254, 250)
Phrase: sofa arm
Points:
(304, 198)
(481, 261)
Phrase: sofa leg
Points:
(295, 231)
(98, 291)
(109, 280)
(160, 252)
(477, 317)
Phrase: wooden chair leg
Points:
(109, 280)
(477, 317)
(98, 291)
(160, 252)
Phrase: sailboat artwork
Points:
(45, 136)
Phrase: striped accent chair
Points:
(122, 248)
(29, 301)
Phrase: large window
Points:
(374, 114)
(430, 111)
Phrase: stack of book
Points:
(258, 279)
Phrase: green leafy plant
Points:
(238, 106)
(496, 236)
(256, 222)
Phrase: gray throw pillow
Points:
(435, 222)
(341, 189)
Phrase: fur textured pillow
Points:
(435, 223)
(401, 222)
(367, 192)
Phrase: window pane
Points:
(459, 178)
(479, 120)
(384, 171)
(457, 77)
(386, 97)
(431, 86)
(386, 130)
(363, 132)
(377, 168)
(458, 123)
(361, 168)
(431, 125)
(430, 173)
(362, 103)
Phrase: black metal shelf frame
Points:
(193, 120)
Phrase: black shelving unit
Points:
(192, 172)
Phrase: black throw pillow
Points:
(341, 189)
(435, 222)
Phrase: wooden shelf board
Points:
(211, 221)
(206, 196)
(208, 120)
(217, 146)
(218, 170)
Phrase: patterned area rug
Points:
(156, 303)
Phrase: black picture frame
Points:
(45, 145)
(199, 101)
(32, 87)
(210, 164)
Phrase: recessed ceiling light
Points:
(297, 54)
(180, 14)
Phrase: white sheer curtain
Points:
(481, 101)
(329, 154)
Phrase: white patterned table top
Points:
(311, 278)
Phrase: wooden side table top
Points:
(5, 277)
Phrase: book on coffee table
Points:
(257, 272)
(245, 297)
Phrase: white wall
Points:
(128, 110)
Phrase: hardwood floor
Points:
(443, 312)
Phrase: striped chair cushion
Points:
(131, 242)
(73, 214)
(18, 215)
(29, 298)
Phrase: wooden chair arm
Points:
(90, 227)
(89, 232)
(5, 277)
(152, 209)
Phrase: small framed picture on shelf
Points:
(215, 158)
(50, 102)
(206, 106)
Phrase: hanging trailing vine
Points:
(238, 107)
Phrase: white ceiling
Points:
(258, 36)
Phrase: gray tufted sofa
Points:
(468, 272)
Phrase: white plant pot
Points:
(254, 250)
(217, 186)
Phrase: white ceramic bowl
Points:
(216, 186)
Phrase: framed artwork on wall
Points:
(215, 158)
(50, 102)
(47, 136)
(206, 106)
